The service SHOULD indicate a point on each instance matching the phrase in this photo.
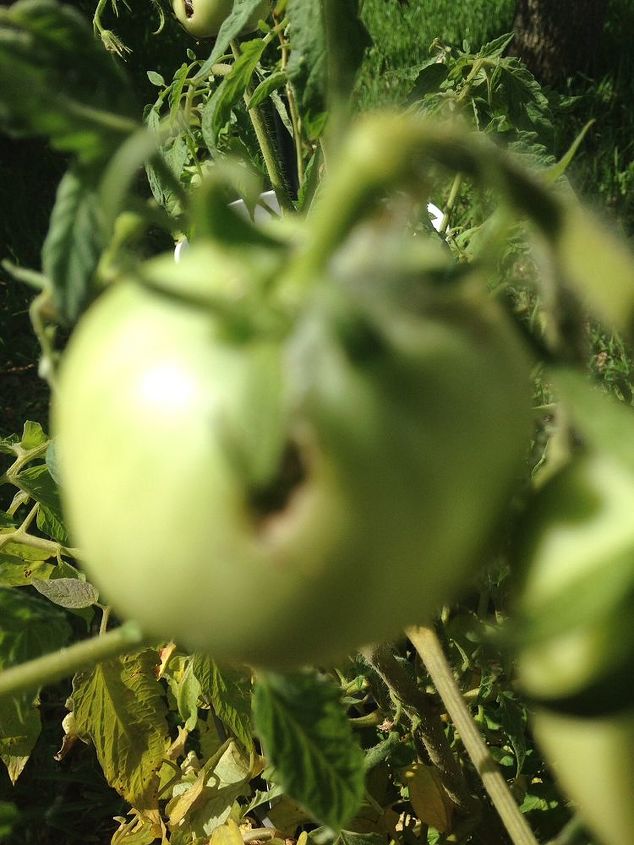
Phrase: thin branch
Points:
(426, 724)
(430, 650)
(52, 667)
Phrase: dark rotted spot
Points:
(273, 497)
(189, 8)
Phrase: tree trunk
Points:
(556, 38)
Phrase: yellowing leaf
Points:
(19, 730)
(287, 816)
(428, 798)
(119, 707)
(15, 572)
(227, 834)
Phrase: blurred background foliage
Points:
(403, 33)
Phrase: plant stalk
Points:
(266, 145)
(453, 195)
(431, 653)
(52, 667)
(425, 723)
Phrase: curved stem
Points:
(266, 146)
(293, 112)
(431, 653)
(60, 664)
(453, 195)
(425, 723)
(38, 311)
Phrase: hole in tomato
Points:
(189, 8)
(274, 497)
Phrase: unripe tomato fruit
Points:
(593, 760)
(577, 561)
(203, 18)
(397, 462)
(579, 551)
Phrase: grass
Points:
(604, 169)
(403, 34)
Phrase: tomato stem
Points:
(425, 724)
(59, 664)
(266, 146)
(428, 646)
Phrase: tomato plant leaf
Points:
(58, 82)
(187, 698)
(119, 707)
(228, 690)
(513, 720)
(217, 110)
(9, 815)
(73, 245)
(37, 482)
(29, 628)
(308, 739)
(8, 444)
(206, 802)
(429, 80)
(427, 796)
(175, 155)
(19, 729)
(307, 65)
(51, 461)
(227, 834)
(287, 816)
(26, 552)
(267, 87)
(33, 435)
(328, 42)
(67, 592)
(349, 837)
(231, 28)
(14, 572)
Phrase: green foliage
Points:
(29, 628)
(56, 84)
(173, 733)
(118, 707)
(308, 740)
(403, 35)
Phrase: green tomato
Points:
(578, 584)
(203, 18)
(283, 499)
(593, 760)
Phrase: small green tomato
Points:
(593, 759)
(578, 581)
(203, 18)
(577, 588)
